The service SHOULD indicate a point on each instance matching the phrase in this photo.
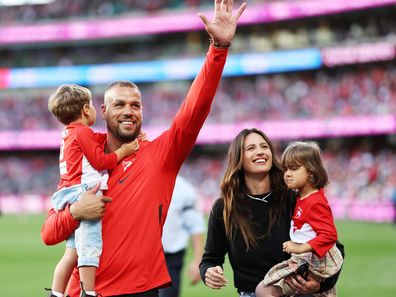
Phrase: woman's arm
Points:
(331, 281)
(215, 249)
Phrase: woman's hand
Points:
(214, 278)
(301, 285)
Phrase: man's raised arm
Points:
(181, 137)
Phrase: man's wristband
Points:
(218, 45)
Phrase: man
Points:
(132, 261)
(184, 221)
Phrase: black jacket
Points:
(250, 266)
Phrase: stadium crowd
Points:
(358, 90)
(59, 10)
(360, 169)
(317, 32)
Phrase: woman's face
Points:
(257, 155)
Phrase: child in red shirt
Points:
(312, 231)
(83, 164)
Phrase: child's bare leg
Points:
(64, 269)
(268, 291)
(87, 276)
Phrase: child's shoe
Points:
(84, 294)
(50, 293)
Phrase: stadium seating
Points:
(361, 167)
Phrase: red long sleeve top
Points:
(141, 188)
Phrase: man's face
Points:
(122, 112)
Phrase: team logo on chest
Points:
(126, 164)
(299, 212)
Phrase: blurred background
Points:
(298, 69)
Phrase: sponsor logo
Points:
(121, 180)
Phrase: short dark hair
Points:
(119, 83)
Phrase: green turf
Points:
(26, 264)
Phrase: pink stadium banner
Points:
(224, 133)
(358, 53)
(133, 25)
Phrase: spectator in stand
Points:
(394, 204)
(183, 222)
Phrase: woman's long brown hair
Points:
(236, 212)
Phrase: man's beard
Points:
(125, 137)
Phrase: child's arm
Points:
(323, 225)
(297, 248)
(92, 148)
(127, 149)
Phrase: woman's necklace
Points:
(262, 199)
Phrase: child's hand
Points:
(130, 147)
(135, 145)
(297, 248)
(127, 149)
(290, 247)
(142, 136)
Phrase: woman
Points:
(251, 220)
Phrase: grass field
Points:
(26, 264)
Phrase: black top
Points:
(250, 266)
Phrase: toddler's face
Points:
(296, 176)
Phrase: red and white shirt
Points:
(82, 157)
(313, 223)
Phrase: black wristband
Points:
(218, 45)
